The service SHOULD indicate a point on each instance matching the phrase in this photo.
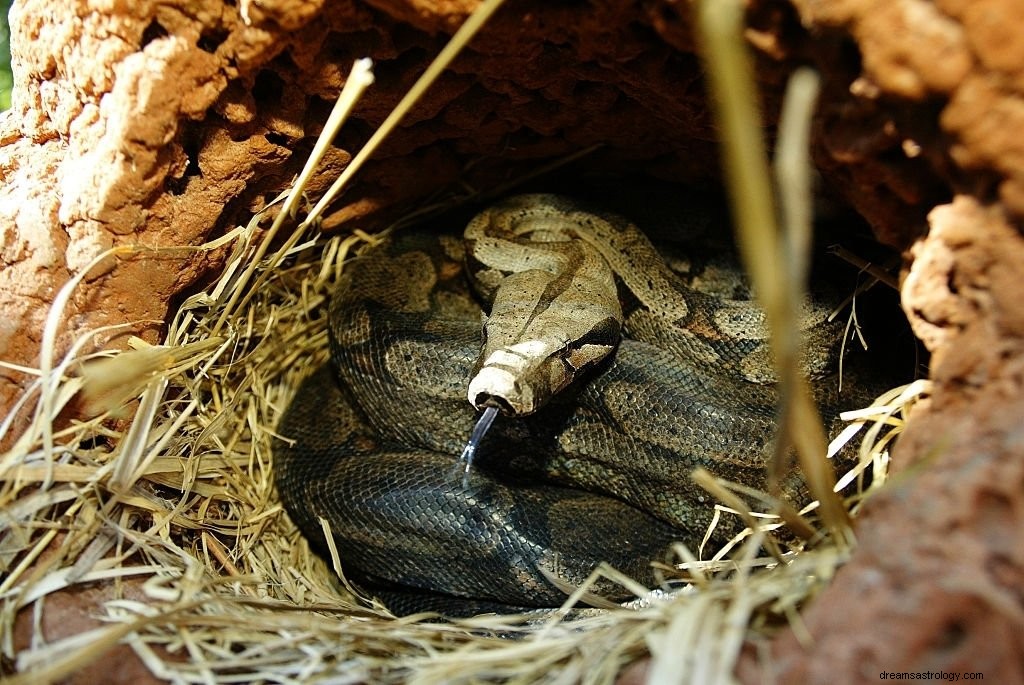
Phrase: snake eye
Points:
(594, 346)
(607, 333)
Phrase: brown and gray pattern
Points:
(600, 473)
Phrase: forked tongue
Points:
(469, 451)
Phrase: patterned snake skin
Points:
(599, 473)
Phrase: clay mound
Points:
(160, 126)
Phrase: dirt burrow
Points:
(155, 125)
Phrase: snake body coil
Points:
(593, 467)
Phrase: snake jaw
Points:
(519, 379)
(513, 378)
(493, 386)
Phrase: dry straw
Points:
(176, 517)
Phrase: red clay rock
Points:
(95, 156)
(936, 583)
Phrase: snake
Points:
(617, 367)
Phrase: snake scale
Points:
(591, 462)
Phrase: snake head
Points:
(520, 376)
(555, 310)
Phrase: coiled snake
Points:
(595, 465)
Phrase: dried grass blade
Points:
(745, 160)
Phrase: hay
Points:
(181, 503)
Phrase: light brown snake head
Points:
(555, 311)
(518, 379)
(532, 350)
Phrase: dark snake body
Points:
(600, 474)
